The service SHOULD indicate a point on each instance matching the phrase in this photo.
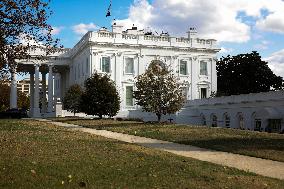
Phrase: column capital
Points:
(37, 65)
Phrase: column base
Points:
(36, 112)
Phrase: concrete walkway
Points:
(259, 166)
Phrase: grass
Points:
(256, 144)
(40, 155)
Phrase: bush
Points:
(14, 114)
(100, 97)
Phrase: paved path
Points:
(259, 166)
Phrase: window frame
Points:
(185, 89)
(200, 63)
(182, 61)
(101, 64)
(125, 66)
(126, 99)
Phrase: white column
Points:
(13, 91)
(32, 90)
(50, 89)
(43, 102)
(36, 110)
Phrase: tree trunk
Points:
(159, 117)
(101, 116)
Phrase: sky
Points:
(239, 26)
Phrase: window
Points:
(183, 67)
(227, 120)
(241, 121)
(203, 93)
(184, 92)
(257, 124)
(274, 125)
(129, 65)
(129, 95)
(203, 68)
(105, 64)
(203, 119)
(214, 120)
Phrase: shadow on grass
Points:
(239, 143)
(113, 126)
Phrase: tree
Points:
(23, 99)
(100, 96)
(245, 73)
(23, 25)
(158, 90)
(72, 99)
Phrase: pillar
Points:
(36, 110)
(32, 90)
(43, 100)
(13, 90)
(50, 89)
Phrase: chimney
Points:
(116, 28)
(192, 33)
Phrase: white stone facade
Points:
(125, 55)
(259, 111)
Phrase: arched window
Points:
(203, 119)
(256, 122)
(227, 120)
(240, 119)
(213, 120)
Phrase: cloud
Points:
(26, 40)
(82, 28)
(225, 50)
(262, 45)
(213, 19)
(276, 62)
(56, 30)
(273, 23)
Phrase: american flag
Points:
(109, 10)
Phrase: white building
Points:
(127, 54)
(124, 55)
(256, 111)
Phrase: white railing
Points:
(142, 39)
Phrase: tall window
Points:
(203, 93)
(183, 67)
(129, 65)
(106, 64)
(184, 92)
(129, 95)
(203, 68)
(226, 120)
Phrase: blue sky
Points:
(239, 26)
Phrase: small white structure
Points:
(259, 111)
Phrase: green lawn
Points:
(39, 155)
(263, 145)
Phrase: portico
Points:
(42, 101)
